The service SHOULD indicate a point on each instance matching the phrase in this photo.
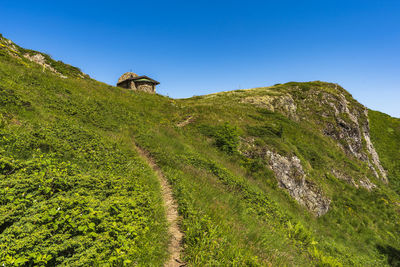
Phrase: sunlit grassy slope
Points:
(74, 191)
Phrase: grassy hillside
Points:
(386, 136)
(74, 191)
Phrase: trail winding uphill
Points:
(171, 209)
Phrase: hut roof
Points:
(142, 78)
(126, 76)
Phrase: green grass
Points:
(385, 133)
(357, 216)
(73, 189)
(75, 192)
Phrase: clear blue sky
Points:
(201, 47)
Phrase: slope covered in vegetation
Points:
(282, 175)
(73, 189)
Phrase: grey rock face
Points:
(40, 59)
(354, 131)
(290, 176)
(280, 103)
(364, 182)
(9, 46)
(36, 57)
(347, 122)
(340, 118)
(345, 126)
(345, 178)
(374, 155)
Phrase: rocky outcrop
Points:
(346, 122)
(290, 176)
(374, 155)
(276, 103)
(367, 184)
(9, 47)
(41, 60)
(352, 127)
(38, 58)
(364, 182)
(345, 125)
(340, 117)
(344, 177)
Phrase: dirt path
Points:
(188, 120)
(171, 209)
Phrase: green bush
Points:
(227, 138)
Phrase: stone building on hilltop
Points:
(132, 81)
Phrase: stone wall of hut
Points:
(145, 87)
(132, 85)
(139, 86)
(128, 85)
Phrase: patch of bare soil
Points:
(188, 120)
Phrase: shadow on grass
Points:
(393, 254)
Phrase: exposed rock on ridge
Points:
(40, 59)
(351, 128)
(340, 117)
(373, 153)
(337, 115)
(291, 177)
(364, 182)
(8, 45)
(280, 103)
(43, 60)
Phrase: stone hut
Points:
(132, 81)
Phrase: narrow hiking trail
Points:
(171, 208)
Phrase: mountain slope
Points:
(294, 174)
(73, 191)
